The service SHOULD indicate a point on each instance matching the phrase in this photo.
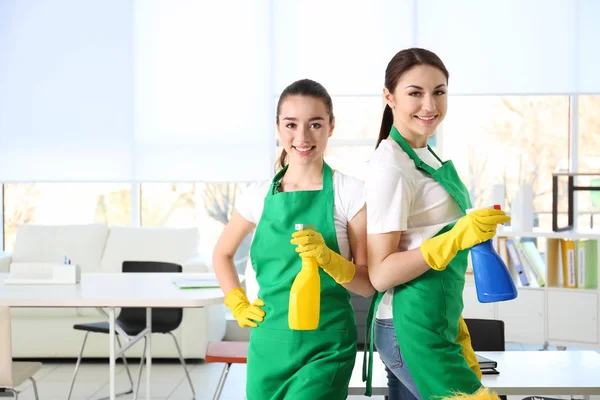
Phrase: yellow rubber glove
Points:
(244, 312)
(311, 244)
(474, 228)
(464, 339)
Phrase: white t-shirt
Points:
(401, 197)
(349, 199)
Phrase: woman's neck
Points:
(303, 177)
(415, 141)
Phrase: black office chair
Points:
(133, 321)
(487, 335)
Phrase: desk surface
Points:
(112, 290)
(521, 373)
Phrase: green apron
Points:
(284, 363)
(427, 309)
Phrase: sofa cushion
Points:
(148, 244)
(83, 244)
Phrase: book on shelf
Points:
(570, 260)
(573, 263)
(587, 264)
(567, 253)
(536, 262)
(515, 261)
(553, 263)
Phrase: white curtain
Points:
(185, 90)
(203, 104)
(502, 47)
(66, 90)
(343, 44)
(588, 65)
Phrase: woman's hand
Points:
(312, 245)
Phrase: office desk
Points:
(527, 373)
(110, 291)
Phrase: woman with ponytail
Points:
(285, 363)
(419, 236)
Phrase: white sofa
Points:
(49, 333)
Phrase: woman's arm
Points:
(357, 233)
(227, 245)
(387, 266)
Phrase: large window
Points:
(64, 203)
(510, 140)
(588, 203)
(207, 206)
(356, 130)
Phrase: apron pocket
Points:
(327, 353)
(276, 356)
(270, 357)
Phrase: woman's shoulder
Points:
(388, 152)
(343, 182)
(256, 189)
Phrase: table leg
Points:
(148, 351)
(112, 358)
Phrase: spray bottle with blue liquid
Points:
(493, 281)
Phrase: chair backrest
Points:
(5, 349)
(486, 334)
(163, 319)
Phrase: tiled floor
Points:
(168, 380)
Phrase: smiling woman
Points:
(304, 122)
(305, 190)
(418, 239)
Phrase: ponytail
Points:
(386, 125)
(282, 160)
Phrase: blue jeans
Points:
(400, 383)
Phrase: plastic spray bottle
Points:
(305, 295)
(493, 281)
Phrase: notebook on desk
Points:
(197, 283)
(486, 363)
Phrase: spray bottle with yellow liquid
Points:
(305, 296)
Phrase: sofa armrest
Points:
(199, 263)
(5, 260)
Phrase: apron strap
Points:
(327, 179)
(367, 373)
(276, 182)
(420, 164)
(435, 155)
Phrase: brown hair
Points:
(401, 63)
(303, 87)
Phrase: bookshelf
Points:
(550, 314)
(546, 233)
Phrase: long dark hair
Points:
(402, 62)
(303, 87)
